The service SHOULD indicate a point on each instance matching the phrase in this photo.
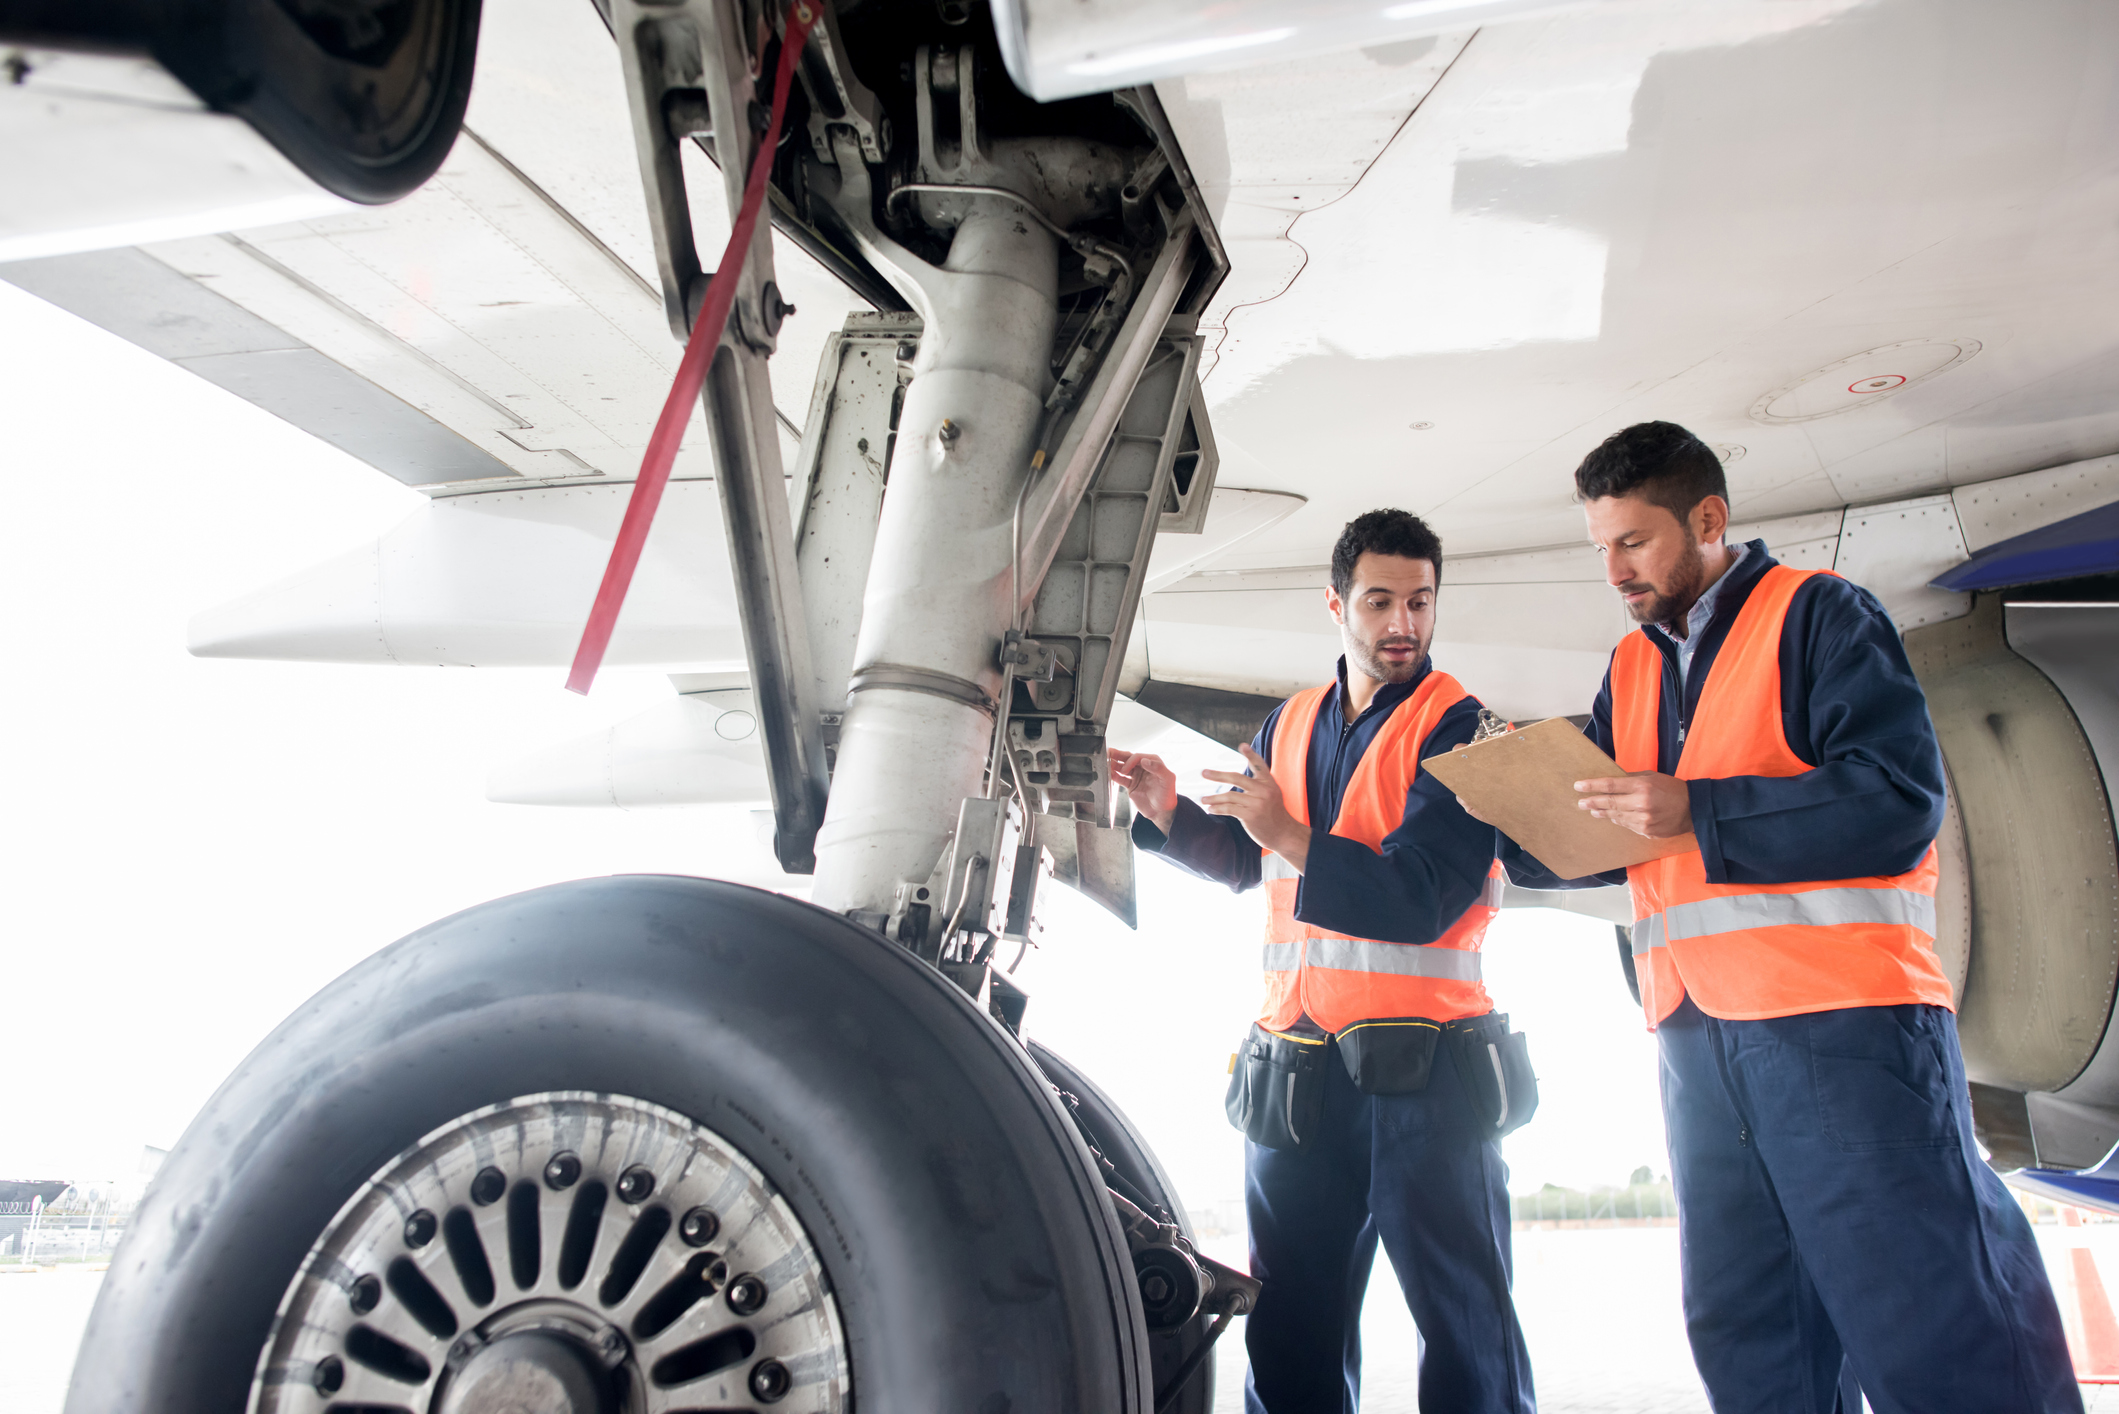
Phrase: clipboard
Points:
(1524, 781)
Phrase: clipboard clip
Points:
(1491, 725)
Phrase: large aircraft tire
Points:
(631, 1143)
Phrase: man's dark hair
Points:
(1384, 532)
(1659, 461)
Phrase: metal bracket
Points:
(909, 922)
(837, 97)
(968, 893)
(944, 685)
(1033, 661)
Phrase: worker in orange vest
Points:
(1833, 1206)
(1378, 1080)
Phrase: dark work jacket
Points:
(1432, 868)
(1850, 707)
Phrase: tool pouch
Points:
(1276, 1088)
(1494, 1064)
(1390, 1055)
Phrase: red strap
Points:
(691, 374)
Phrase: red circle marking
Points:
(1882, 384)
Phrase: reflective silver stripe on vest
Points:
(1818, 908)
(1283, 957)
(1399, 959)
(1274, 867)
(1646, 933)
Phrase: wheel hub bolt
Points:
(420, 1228)
(746, 1294)
(487, 1187)
(329, 1375)
(635, 1184)
(610, 1345)
(770, 1382)
(364, 1295)
(698, 1227)
(562, 1170)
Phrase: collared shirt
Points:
(1702, 613)
(1430, 869)
(1850, 708)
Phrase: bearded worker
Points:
(1831, 1200)
(1364, 1120)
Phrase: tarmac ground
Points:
(1599, 1308)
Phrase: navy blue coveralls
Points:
(1413, 1171)
(1831, 1199)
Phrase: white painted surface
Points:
(701, 749)
(500, 579)
(1232, 516)
(1806, 542)
(1460, 263)
(1661, 210)
(1893, 551)
(105, 152)
(1063, 48)
(513, 297)
(1529, 634)
(1994, 511)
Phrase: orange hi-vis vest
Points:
(1334, 978)
(1746, 951)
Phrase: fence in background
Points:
(1650, 1204)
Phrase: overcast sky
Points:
(196, 846)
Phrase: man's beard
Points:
(1687, 578)
(1368, 657)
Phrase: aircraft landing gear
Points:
(662, 1144)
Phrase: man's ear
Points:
(1334, 605)
(1710, 520)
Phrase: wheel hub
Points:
(565, 1253)
(531, 1369)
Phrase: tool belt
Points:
(1277, 1080)
(1494, 1063)
(1276, 1087)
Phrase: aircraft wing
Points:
(501, 324)
(1458, 262)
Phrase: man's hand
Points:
(1650, 803)
(1256, 803)
(1150, 784)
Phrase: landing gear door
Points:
(1084, 612)
(845, 460)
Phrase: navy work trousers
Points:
(1413, 1171)
(1831, 1202)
